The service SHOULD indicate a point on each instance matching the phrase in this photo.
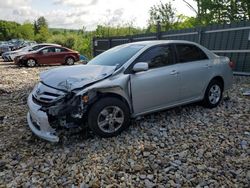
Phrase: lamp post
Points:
(158, 28)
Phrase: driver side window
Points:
(158, 56)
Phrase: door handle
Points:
(173, 72)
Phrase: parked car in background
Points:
(48, 55)
(83, 59)
(10, 56)
(126, 81)
(14, 44)
(5, 47)
(27, 43)
(10, 45)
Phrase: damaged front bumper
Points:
(38, 122)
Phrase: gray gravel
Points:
(187, 146)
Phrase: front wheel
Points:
(69, 61)
(31, 63)
(108, 117)
(213, 95)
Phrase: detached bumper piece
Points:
(38, 122)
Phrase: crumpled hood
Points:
(73, 77)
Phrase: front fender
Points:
(117, 85)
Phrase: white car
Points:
(10, 56)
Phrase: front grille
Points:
(51, 94)
(43, 95)
(39, 102)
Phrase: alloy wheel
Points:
(110, 119)
(214, 94)
(31, 63)
(70, 61)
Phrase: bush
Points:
(57, 39)
(69, 42)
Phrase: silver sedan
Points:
(125, 82)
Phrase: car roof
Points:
(158, 42)
(48, 44)
(55, 46)
(148, 44)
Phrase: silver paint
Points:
(143, 91)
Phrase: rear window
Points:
(60, 50)
(189, 52)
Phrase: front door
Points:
(47, 56)
(157, 87)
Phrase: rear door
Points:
(60, 55)
(194, 68)
(157, 87)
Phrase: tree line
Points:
(163, 14)
(207, 12)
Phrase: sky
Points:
(74, 14)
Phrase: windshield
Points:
(116, 56)
(36, 47)
(25, 48)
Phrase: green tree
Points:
(70, 41)
(26, 31)
(39, 24)
(57, 39)
(184, 22)
(43, 35)
(163, 13)
(245, 8)
(8, 30)
(223, 11)
(41, 30)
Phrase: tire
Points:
(108, 117)
(31, 63)
(69, 61)
(213, 94)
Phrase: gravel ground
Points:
(187, 146)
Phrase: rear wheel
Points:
(108, 117)
(69, 61)
(31, 63)
(213, 95)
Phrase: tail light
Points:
(231, 64)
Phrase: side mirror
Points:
(141, 66)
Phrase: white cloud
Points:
(88, 13)
(76, 2)
(14, 3)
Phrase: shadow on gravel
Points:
(76, 136)
(6, 63)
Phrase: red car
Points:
(48, 55)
